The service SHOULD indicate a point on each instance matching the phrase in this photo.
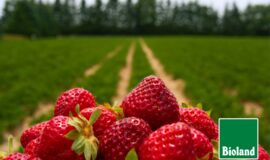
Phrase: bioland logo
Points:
(238, 138)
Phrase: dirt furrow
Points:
(124, 75)
(93, 69)
(252, 108)
(177, 86)
(44, 108)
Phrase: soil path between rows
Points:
(44, 108)
(251, 108)
(176, 86)
(125, 75)
(93, 69)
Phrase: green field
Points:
(37, 71)
(33, 71)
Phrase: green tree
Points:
(83, 12)
(84, 24)
(129, 14)
(1, 27)
(24, 19)
(57, 11)
(145, 16)
(257, 20)
(67, 23)
(112, 15)
(7, 12)
(231, 21)
(97, 19)
(47, 25)
(165, 16)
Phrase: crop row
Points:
(37, 71)
(140, 67)
(104, 82)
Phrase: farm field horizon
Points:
(229, 75)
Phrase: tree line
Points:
(64, 17)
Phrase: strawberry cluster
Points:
(148, 125)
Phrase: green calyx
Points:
(199, 105)
(132, 155)
(2, 155)
(10, 148)
(84, 140)
(116, 109)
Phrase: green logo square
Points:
(238, 138)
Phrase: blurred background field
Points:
(222, 56)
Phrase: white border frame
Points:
(257, 119)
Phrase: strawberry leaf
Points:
(72, 135)
(77, 108)
(76, 123)
(132, 155)
(199, 105)
(94, 151)
(10, 144)
(184, 105)
(107, 105)
(95, 115)
(87, 151)
(209, 112)
(78, 145)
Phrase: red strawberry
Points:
(68, 100)
(263, 155)
(202, 145)
(69, 138)
(169, 142)
(32, 133)
(53, 144)
(106, 118)
(122, 136)
(200, 120)
(20, 156)
(32, 147)
(152, 101)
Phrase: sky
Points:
(219, 5)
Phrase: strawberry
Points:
(200, 120)
(31, 148)
(106, 118)
(152, 101)
(68, 100)
(202, 145)
(53, 143)
(32, 133)
(263, 155)
(169, 142)
(122, 136)
(20, 156)
(69, 138)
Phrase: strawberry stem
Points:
(10, 144)
(84, 140)
(116, 109)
